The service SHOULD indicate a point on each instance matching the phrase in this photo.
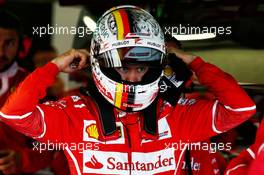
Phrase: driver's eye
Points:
(141, 69)
(123, 69)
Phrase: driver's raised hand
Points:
(72, 60)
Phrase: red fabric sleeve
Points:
(240, 164)
(257, 168)
(230, 107)
(234, 106)
(21, 109)
(33, 88)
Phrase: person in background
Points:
(16, 154)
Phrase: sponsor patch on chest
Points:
(91, 134)
(119, 163)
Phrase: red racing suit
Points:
(73, 123)
(249, 161)
(205, 161)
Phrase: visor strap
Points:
(106, 113)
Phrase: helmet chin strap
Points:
(106, 119)
(150, 121)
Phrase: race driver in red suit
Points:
(122, 126)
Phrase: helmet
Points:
(127, 35)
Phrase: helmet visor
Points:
(131, 55)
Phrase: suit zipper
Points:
(129, 152)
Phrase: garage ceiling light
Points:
(195, 36)
(89, 23)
